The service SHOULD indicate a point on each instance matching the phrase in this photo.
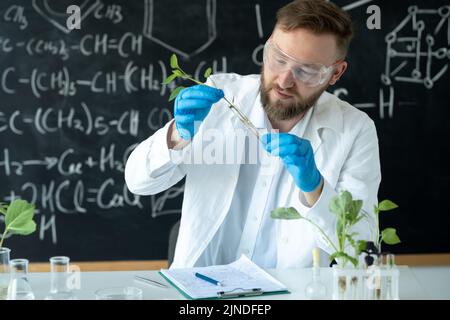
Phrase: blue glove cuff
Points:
(313, 183)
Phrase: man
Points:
(324, 144)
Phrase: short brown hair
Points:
(319, 17)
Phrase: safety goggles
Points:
(311, 75)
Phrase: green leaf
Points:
(175, 92)
(345, 200)
(334, 205)
(333, 256)
(344, 258)
(178, 73)
(207, 72)
(337, 255)
(339, 227)
(341, 204)
(170, 78)
(25, 229)
(376, 210)
(355, 221)
(354, 261)
(174, 61)
(285, 213)
(18, 209)
(351, 241)
(353, 234)
(389, 236)
(19, 217)
(359, 246)
(362, 245)
(387, 205)
(3, 208)
(356, 207)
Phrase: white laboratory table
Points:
(415, 283)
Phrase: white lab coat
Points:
(345, 145)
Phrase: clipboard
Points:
(241, 278)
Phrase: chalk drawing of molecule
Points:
(414, 51)
(55, 11)
(197, 28)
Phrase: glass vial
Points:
(316, 290)
(59, 288)
(19, 287)
(390, 264)
(4, 272)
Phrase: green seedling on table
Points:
(348, 212)
(18, 217)
(388, 235)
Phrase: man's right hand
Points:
(192, 105)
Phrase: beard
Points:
(285, 110)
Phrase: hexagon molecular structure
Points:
(184, 32)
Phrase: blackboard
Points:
(74, 103)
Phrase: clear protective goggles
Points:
(311, 74)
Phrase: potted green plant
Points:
(18, 218)
(387, 235)
(348, 212)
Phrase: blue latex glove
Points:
(192, 106)
(298, 157)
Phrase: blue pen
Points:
(210, 280)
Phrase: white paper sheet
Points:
(238, 276)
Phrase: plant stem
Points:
(323, 233)
(3, 237)
(243, 118)
(377, 229)
(201, 83)
(342, 244)
(198, 82)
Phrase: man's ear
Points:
(338, 72)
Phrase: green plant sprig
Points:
(177, 72)
(292, 213)
(348, 213)
(18, 218)
(388, 235)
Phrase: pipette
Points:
(242, 117)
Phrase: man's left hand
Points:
(298, 157)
